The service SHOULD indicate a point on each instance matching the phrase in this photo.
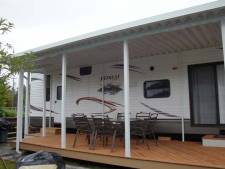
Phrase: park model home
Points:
(161, 82)
(171, 64)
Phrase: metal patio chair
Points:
(150, 121)
(83, 126)
(120, 126)
(151, 126)
(104, 128)
(138, 130)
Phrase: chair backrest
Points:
(143, 115)
(98, 120)
(81, 122)
(154, 116)
(120, 116)
(102, 122)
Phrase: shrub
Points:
(7, 112)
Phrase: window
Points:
(85, 70)
(48, 79)
(59, 93)
(157, 88)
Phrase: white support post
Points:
(182, 128)
(63, 120)
(19, 111)
(51, 102)
(126, 98)
(44, 108)
(103, 95)
(21, 105)
(27, 107)
(223, 38)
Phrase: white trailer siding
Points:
(36, 94)
(172, 67)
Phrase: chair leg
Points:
(136, 137)
(106, 140)
(144, 139)
(75, 138)
(88, 138)
(95, 138)
(103, 140)
(154, 137)
(113, 140)
(91, 140)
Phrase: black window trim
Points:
(156, 97)
(57, 94)
(48, 88)
(191, 91)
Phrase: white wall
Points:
(172, 67)
(36, 94)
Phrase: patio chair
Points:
(104, 128)
(120, 126)
(83, 126)
(151, 125)
(138, 129)
(150, 121)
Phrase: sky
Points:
(40, 22)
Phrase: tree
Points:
(9, 64)
(4, 93)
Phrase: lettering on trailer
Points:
(110, 77)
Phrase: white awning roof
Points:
(188, 29)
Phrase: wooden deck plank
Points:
(172, 153)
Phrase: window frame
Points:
(48, 87)
(145, 92)
(58, 94)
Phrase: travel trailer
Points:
(173, 84)
(171, 65)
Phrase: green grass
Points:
(9, 164)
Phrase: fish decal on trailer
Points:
(112, 106)
(110, 89)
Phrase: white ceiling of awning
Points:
(197, 37)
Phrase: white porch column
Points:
(103, 95)
(223, 37)
(27, 106)
(182, 128)
(44, 108)
(19, 111)
(51, 102)
(126, 98)
(63, 120)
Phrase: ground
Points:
(12, 156)
(9, 164)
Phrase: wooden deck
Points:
(168, 154)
